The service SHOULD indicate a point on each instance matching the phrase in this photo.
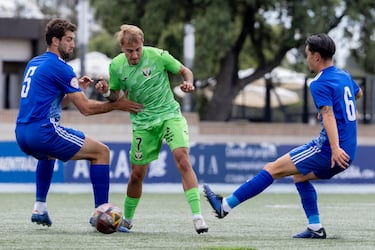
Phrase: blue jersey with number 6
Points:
(336, 88)
(47, 79)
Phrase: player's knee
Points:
(183, 162)
(184, 165)
(273, 170)
(137, 175)
(104, 153)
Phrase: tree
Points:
(231, 34)
(57, 8)
(362, 20)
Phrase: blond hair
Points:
(130, 34)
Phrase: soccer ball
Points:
(107, 218)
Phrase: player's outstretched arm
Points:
(83, 82)
(91, 107)
(124, 104)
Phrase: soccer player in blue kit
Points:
(334, 93)
(49, 84)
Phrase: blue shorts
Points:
(309, 158)
(47, 139)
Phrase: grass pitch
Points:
(163, 221)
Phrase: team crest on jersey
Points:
(74, 83)
(146, 72)
(138, 155)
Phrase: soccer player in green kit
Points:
(142, 73)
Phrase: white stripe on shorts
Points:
(305, 154)
(69, 137)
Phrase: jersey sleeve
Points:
(171, 64)
(355, 87)
(67, 79)
(321, 94)
(114, 80)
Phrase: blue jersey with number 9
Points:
(47, 79)
(336, 88)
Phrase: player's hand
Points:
(84, 82)
(101, 86)
(340, 157)
(187, 87)
(127, 105)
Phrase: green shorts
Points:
(146, 143)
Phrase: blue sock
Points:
(250, 188)
(99, 175)
(232, 200)
(309, 200)
(44, 172)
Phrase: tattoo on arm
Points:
(112, 97)
(326, 109)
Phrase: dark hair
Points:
(322, 44)
(57, 28)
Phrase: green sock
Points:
(130, 204)
(193, 198)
